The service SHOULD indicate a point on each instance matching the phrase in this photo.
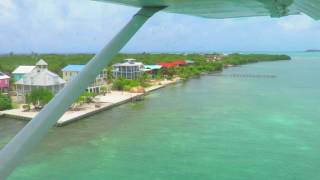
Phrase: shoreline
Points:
(116, 98)
(106, 102)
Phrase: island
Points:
(312, 50)
(33, 80)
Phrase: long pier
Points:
(245, 75)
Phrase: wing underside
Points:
(220, 9)
(309, 7)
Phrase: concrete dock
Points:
(110, 100)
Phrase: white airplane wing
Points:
(231, 8)
(26, 140)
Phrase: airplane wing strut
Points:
(38, 127)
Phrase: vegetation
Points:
(144, 80)
(5, 102)
(86, 97)
(122, 84)
(57, 61)
(39, 97)
(196, 70)
(201, 64)
(109, 74)
(238, 59)
(104, 89)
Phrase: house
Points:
(173, 64)
(20, 71)
(39, 77)
(214, 57)
(71, 71)
(180, 63)
(167, 65)
(4, 82)
(130, 69)
(152, 69)
(189, 62)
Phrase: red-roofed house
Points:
(167, 65)
(173, 64)
(179, 63)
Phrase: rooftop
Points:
(152, 67)
(41, 62)
(4, 76)
(173, 64)
(73, 67)
(129, 62)
(41, 78)
(130, 59)
(23, 69)
(189, 62)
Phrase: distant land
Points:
(57, 61)
(312, 50)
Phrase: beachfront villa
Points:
(71, 71)
(4, 82)
(20, 71)
(39, 77)
(130, 69)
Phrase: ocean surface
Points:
(212, 127)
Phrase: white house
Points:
(71, 71)
(39, 77)
(20, 71)
(130, 69)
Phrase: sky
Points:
(84, 26)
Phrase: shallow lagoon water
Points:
(206, 128)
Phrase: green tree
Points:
(125, 84)
(144, 80)
(86, 97)
(118, 84)
(89, 97)
(5, 102)
(104, 89)
(109, 73)
(39, 97)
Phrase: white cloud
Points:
(51, 25)
(296, 23)
(85, 26)
(7, 10)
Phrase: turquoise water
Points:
(207, 128)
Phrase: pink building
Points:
(4, 82)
